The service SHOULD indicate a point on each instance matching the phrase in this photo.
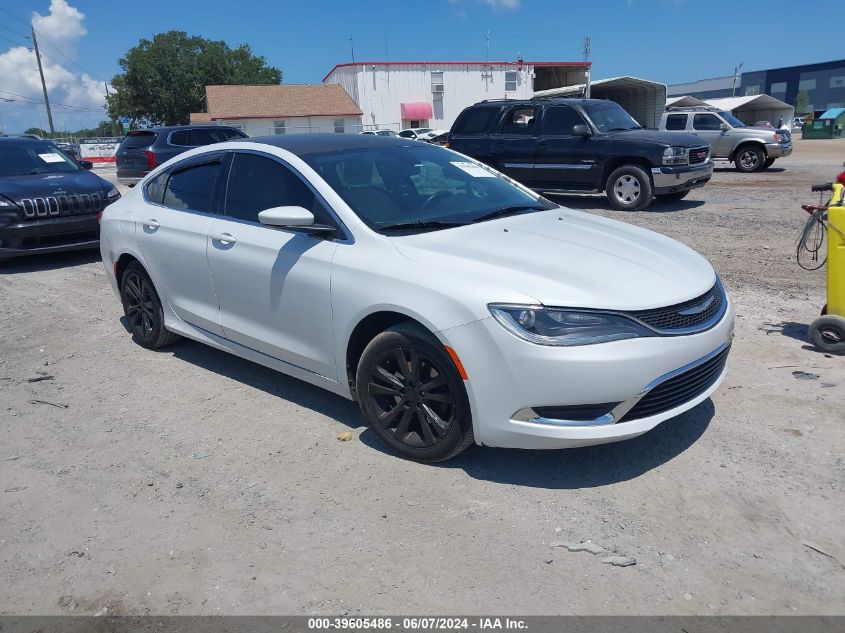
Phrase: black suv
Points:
(48, 201)
(582, 145)
(142, 151)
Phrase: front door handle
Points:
(224, 238)
(152, 224)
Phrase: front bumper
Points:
(778, 150)
(51, 235)
(672, 179)
(509, 376)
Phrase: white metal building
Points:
(755, 108)
(398, 95)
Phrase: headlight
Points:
(675, 156)
(113, 194)
(551, 326)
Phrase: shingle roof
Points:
(244, 102)
(200, 117)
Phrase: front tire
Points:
(769, 162)
(629, 188)
(412, 396)
(828, 334)
(143, 310)
(749, 159)
(672, 197)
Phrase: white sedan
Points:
(453, 304)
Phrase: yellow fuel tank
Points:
(836, 252)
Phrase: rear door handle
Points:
(152, 224)
(225, 238)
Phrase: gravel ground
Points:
(188, 481)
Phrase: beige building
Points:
(281, 109)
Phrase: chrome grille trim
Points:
(63, 205)
(676, 319)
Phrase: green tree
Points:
(164, 79)
(802, 102)
(38, 131)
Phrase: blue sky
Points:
(664, 40)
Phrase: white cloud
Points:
(63, 27)
(507, 5)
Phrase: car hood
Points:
(41, 185)
(566, 258)
(762, 133)
(677, 139)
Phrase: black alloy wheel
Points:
(412, 396)
(143, 310)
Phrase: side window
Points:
(205, 136)
(407, 134)
(233, 135)
(511, 79)
(180, 137)
(474, 120)
(559, 120)
(257, 183)
(155, 188)
(192, 188)
(676, 122)
(706, 122)
(519, 120)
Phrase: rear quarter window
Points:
(676, 122)
(474, 121)
(138, 140)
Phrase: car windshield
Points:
(419, 188)
(732, 120)
(18, 159)
(609, 117)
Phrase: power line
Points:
(62, 105)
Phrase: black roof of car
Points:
(25, 139)
(553, 99)
(302, 144)
(172, 128)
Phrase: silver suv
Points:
(750, 148)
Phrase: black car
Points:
(582, 145)
(142, 151)
(48, 201)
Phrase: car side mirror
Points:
(293, 218)
(86, 164)
(581, 130)
(724, 127)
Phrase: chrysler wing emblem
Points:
(697, 308)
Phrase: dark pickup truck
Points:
(582, 145)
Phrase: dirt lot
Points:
(188, 481)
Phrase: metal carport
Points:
(755, 108)
(643, 99)
(684, 101)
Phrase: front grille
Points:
(54, 206)
(694, 315)
(679, 389)
(698, 155)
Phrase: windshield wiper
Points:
(624, 129)
(500, 213)
(421, 224)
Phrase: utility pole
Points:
(43, 84)
(587, 71)
(352, 46)
(736, 73)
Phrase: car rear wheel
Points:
(672, 197)
(629, 188)
(412, 396)
(750, 159)
(142, 307)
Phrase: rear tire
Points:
(749, 159)
(629, 188)
(143, 310)
(412, 396)
(672, 197)
(828, 334)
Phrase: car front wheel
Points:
(629, 188)
(142, 308)
(750, 159)
(412, 395)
